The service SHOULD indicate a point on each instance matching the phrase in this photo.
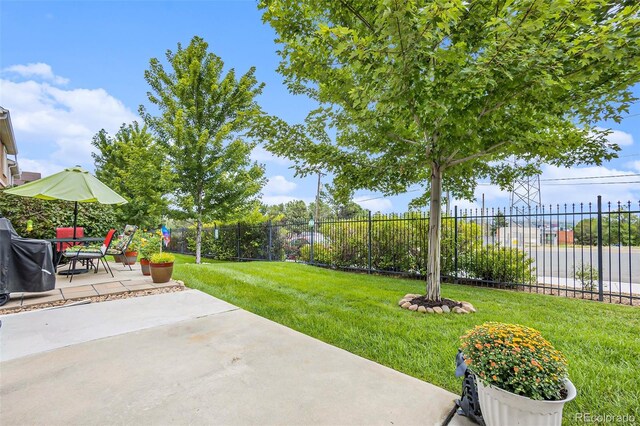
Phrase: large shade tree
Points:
(441, 93)
(203, 115)
(132, 163)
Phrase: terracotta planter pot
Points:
(144, 265)
(161, 272)
(131, 257)
(117, 258)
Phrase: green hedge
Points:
(499, 265)
(96, 219)
(253, 241)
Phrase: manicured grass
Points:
(359, 313)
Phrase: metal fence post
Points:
(600, 283)
(269, 246)
(369, 245)
(455, 242)
(238, 239)
(311, 249)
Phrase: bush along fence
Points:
(588, 251)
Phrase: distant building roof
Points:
(26, 177)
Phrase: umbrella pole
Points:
(75, 219)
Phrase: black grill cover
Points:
(25, 264)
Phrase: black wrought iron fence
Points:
(586, 250)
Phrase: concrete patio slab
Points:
(14, 302)
(136, 287)
(83, 288)
(121, 273)
(79, 294)
(28, 333)
(111, 289)
(29, 299)
(224, 366)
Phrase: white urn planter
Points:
(500, 407)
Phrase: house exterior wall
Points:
(7, 147)
(26, 177)
(5, 174)
(517, 236)
(565, 237)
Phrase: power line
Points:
(591, 177)
(546, 184)
(592, 183)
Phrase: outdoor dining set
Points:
(30, 265)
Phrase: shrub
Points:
(516, 359)
(163, 257)
(588, 277)
(498, 264)
(95, 218)
(398, 243)
(322, 254)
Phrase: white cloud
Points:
(38, 70)
(382, 205)
(43, 167)
(55, 126)
(271, 200)
(619, 137)
(634, 165)
(278, 185)
(261, 155)
(586, 190)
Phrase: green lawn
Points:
(359, 313)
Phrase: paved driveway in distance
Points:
(188, 358)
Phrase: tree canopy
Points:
(203, 115)
(133, 164)
(442, 93)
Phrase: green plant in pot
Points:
(131, 255)
(522, 379)
(161, 266)
(150, 243)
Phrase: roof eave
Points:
(6, 132)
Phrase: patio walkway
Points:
(188, 358)
(88, 285)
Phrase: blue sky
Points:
(68, 69)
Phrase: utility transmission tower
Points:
(525, 195)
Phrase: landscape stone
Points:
(456, 309)
(422, 309)
(413, 307)
(402, 301)
(430, 310)
(437, 309)
(445, 309)
(468, 307)
(408, 296)
(405, 305)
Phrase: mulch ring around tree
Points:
(419, 303)
(423, 301)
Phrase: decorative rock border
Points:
(407, 303)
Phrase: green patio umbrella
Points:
(72, 184)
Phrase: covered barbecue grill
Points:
(25, 264)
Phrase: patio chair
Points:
(122, 245)
(89, 255)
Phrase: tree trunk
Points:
(198, 239)
(435, 227)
